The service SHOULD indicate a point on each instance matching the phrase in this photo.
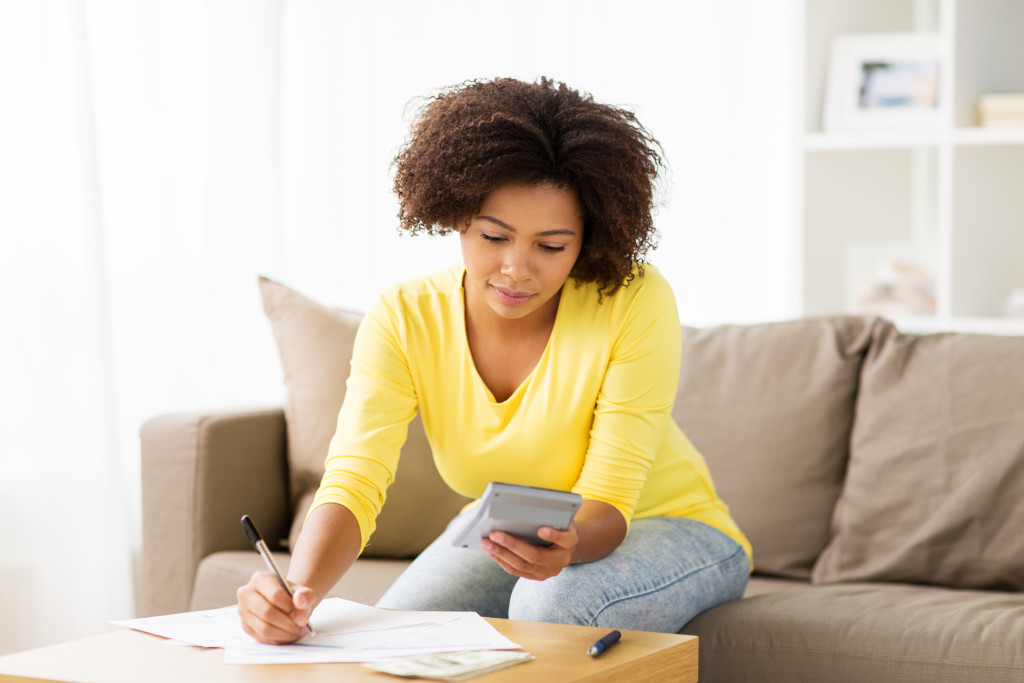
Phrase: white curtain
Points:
(157, 155)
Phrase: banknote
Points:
(451, 666)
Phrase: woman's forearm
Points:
(328, 545)
(600, 528)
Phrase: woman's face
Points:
(520, 248)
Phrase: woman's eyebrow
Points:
(546, 233)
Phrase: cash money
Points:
(451, 666)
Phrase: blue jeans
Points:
(666, 571)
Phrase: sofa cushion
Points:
(315, 345)
(220, 574)
(851, 633)
(934, 488)
(770, 407)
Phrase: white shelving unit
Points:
(951, 194)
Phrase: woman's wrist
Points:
(600, 529)
(326, 548)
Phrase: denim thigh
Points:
(446, 578)
(666, 572)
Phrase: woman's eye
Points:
(553, 249)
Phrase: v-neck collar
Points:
(461, 293)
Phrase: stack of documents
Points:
(346, 632)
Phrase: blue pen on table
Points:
(261, 547)
(605, 643)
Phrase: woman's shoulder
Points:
(444, 281)
(643, 308)
(648, 277)
(646, 285)
(441, 284)
(425, 301)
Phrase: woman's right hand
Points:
(269, 615)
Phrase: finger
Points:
(303, 602)
(524, 549)
(265, 632)
(566, 540)
(267, 585)
(302, 597)
(523, 558)
(263, 620)
(505, 559)
(536, 573)
(269, 608)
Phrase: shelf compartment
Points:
(862, 205)
(988, 233)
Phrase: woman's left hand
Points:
(528, 561)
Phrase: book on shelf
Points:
(1001, 109)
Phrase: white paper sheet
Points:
(208, 628)
(346, 632)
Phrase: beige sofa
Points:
(879, 477)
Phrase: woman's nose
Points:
(516, 264)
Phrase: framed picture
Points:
(879, 81)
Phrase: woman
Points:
(549, 358)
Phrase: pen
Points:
(261, 547)
(605, 643)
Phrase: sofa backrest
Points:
(770, 406)
(934, 491)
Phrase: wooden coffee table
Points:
(560, 651)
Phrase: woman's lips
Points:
(511, 297)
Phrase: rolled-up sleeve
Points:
(380, 401)
(634, 405)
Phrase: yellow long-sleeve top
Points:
(593, 417)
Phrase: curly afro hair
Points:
(472, 138)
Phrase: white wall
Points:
(714, 81)
(158, 155)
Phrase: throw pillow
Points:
(770, 407)
(933, 492)
(315, 345)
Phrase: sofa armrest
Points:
(201, 472)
